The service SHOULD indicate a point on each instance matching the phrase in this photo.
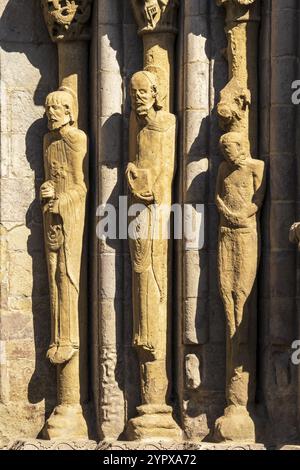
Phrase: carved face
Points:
(143, 94)
(58, 112)
(232, 148)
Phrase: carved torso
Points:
(238, 188)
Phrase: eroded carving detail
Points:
(111, 404)
(63, 198)
(67, 19)
(155, 15)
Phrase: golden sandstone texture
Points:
(151, 339)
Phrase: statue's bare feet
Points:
(64, 354)
(51, 352)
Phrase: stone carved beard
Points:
(58, 116)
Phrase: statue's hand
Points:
(53, 206)
(47, 191)
(146, 196)
(131, 174)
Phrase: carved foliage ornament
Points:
(67, 19)
(155, 15)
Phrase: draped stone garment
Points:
(152, 151)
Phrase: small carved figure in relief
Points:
(294, 235)
(239, 197)
(63, 197)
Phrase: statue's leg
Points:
(52, 268)
(236, 424)
(65, 348)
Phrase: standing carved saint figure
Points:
(239, 197)
(149, 175)
(63, 198)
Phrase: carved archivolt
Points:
(67, 19)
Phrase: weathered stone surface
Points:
(29, 71)
(52, 445)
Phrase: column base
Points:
(66, 422)
(153, 422)
(236, 425)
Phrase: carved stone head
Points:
(235, 147)
(61, 109)
(144, 93)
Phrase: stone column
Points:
(152, 132)
(239, 196)
(279, 278)
(68, 25)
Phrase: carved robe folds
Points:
(64, 164)
(154, 167)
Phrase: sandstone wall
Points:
(28, 71)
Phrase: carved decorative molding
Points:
(156, 15)
(67, 19)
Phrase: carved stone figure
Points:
(149, 175)
(63, 198)
(239, 196)
(233, 107)
(154, 14)
(67, 19)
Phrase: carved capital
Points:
(237, 2)
(240, 10)
(67, 20)
(155, 15)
